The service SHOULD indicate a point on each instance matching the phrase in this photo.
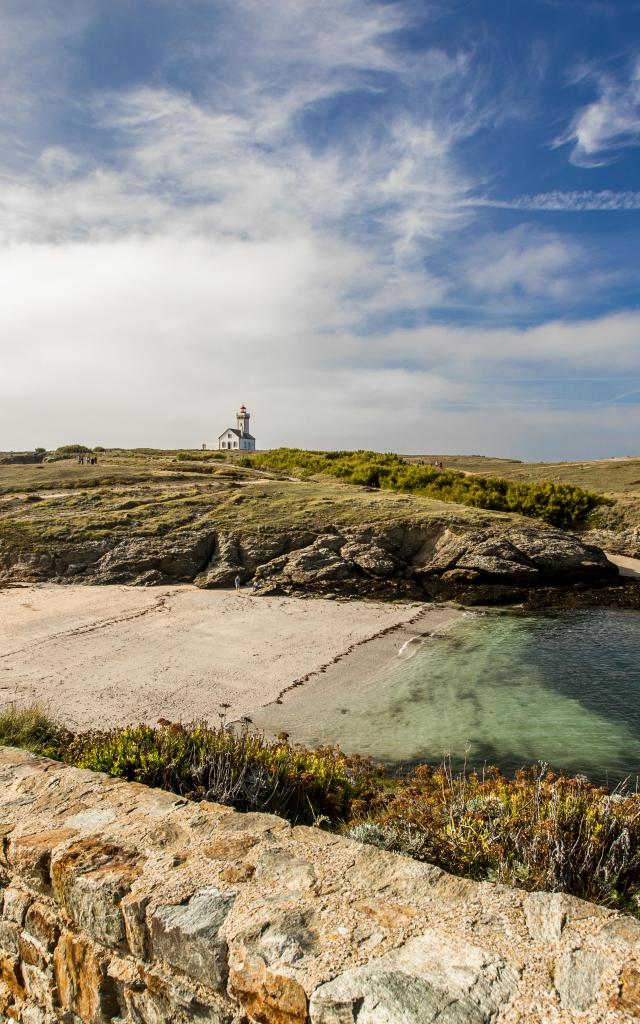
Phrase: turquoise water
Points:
(506, 690)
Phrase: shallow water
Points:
(507, 690)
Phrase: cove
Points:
(563, 688)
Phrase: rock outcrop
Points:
(175, 558)
(447, 562)
(22, 458)
(502, 561)
(618, 542)
(124, 904)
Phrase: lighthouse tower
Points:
(242, 421)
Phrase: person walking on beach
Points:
(236, 584)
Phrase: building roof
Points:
(238, 433)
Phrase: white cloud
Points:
(569, 202)
(608, 344)
(524, 261)
(236, 164)
(611, 123)
(155, 340)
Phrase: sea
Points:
(561, 688)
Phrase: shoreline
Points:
(364, 662)
(379, 646)
(117, 655)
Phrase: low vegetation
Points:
(535, 831)
(204, 456)
(617, 479)
(563, 505)
(141, 493)
(538, 830)
(239, 768)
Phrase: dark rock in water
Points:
(502, 562)
(618, 593)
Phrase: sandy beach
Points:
(104, 656)
(626, 566)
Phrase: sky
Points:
(408, 226)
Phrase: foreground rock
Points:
(503, 561)
(119, 903)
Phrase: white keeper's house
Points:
(239, 437)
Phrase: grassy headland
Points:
(559, 504)
(153, 493)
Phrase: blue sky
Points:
(404, 225)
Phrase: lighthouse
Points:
(240, 437)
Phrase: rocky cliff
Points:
(129, 905)
(503, 561)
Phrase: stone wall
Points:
(121, 903)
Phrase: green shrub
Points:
(72, 449)
(195, 468)
(238, 768)
(562, 505)
(99, 448)
(199, 456)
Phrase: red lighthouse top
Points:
(243, 408)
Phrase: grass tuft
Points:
(32, 728)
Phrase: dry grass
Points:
(235, 767)
(152, 493)
(33, 728)
(536, 831)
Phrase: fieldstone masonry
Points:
(125, 904)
